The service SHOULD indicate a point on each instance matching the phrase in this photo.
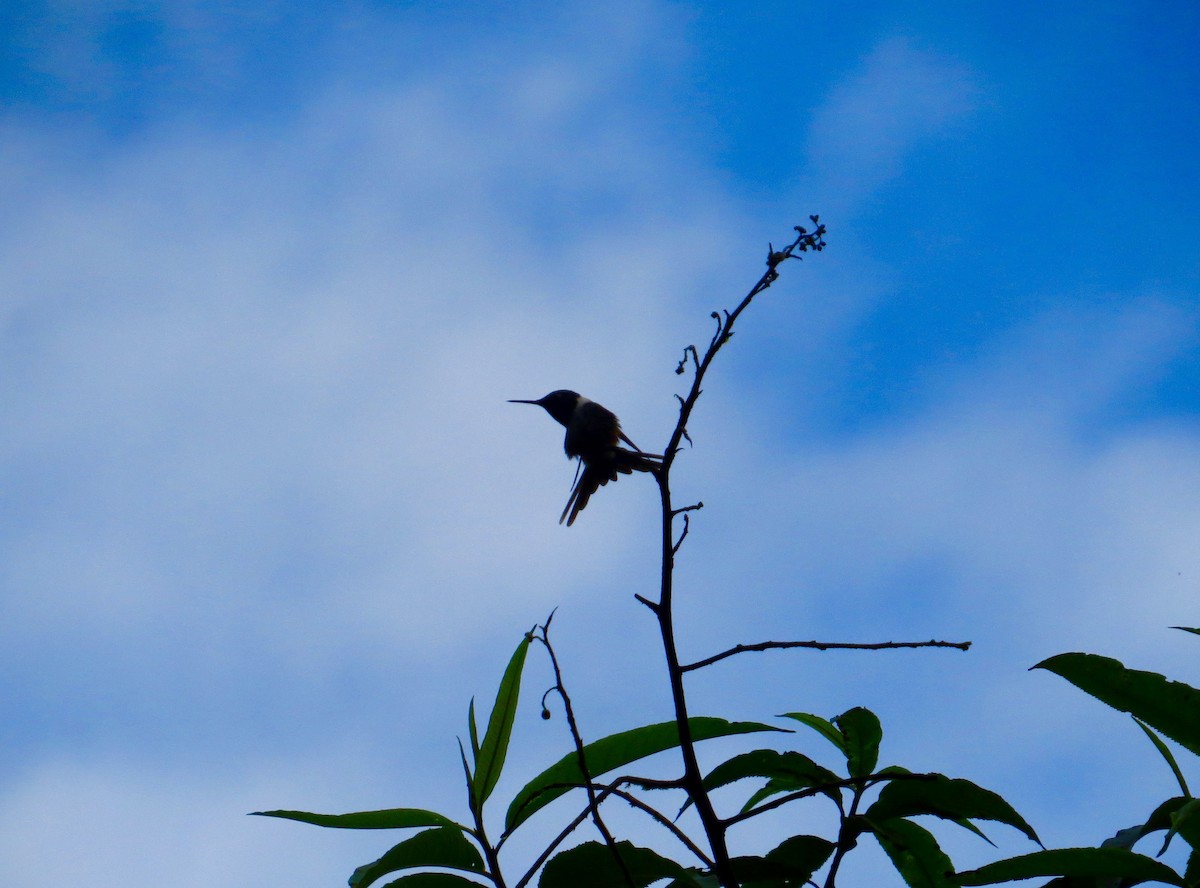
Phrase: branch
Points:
(809, 792)
(558, 840)
(663, 820)
(682, 536)
(653, 605)
(805, 241)
(606, 791)
(693, 780)
(543, 636)
(824, 646)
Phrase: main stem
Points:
(693, 781)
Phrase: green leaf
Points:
(1171, 707)
(914, 853)
(1187, 629)
(789, 865)
(1191, 872)
(612, 752)
(862, 734)
(432, 880)
(1161, 818)
(788, 771)
(759, 872)
(476, 813)
(443, 847)
(1165, 753)
(802, 856)
(389, 818)
(822, 726)
(473, 730)
(1185, 821)
(489, 761)
(1075, 863)
(951, 799)
(780, 785)
(594, 865)
(695, 878)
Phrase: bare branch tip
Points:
(653, 605)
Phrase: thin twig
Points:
(824, 646)
(556, 841)
(823, 789)
(605, 792)
(682, 536)
(593, 803)
(848, 832)
(664, 821)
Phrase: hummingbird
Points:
(592, 435)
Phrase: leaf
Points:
(914, 853)
(1171, 707)
(612, 752)
(1187, 629)
(803, 855)
(470, 780)
(1191, 872)
(695, 878)
(389, 818)
(1160, 818)
(951, 799)
(1075, 863)
(790, 865)
(473, 730)
(594, 865)
(759, 872)
(1163, 817)
(1185, 821)
(822, 726)
(792, 770)
(433, 880)
(862, 734)
(1165, 753)
(784, 785)
(490, 760)
(443, 847)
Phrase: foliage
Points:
(862, 798)
(865, 799)
(1157, 705)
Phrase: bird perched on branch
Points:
(592, 435)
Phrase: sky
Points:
(269, 273)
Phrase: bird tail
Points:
(627, 461)
(597, 473)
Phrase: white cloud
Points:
(104, 822)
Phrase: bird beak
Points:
(520, 401)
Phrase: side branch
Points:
(824, 646)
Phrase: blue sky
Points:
(267, 277)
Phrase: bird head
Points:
(560, 404)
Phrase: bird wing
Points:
(597, 473)
(589, 482)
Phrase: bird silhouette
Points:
(592, 435)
